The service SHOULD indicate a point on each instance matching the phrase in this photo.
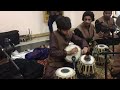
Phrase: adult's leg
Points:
(49, 72)
(51, 20)
(50, 23)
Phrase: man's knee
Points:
(49, 73)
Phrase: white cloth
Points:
(16, 54)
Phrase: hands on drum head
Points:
(73, 51)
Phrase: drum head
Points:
(68, 58)
(91, 61)
(65, 72)
(99, 48)
(102, 46)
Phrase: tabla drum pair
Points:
(65, 73)
(100, 58)
(86, 65)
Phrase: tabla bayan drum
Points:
(101, 48)
(100, 59)
(86, 66)
(65, 73)
(68, 58)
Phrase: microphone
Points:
(73, 58)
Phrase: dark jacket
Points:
(58, 42)
(82, 32)
(104, 26)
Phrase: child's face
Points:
(107, 14)
(65, 32)
(87, 20)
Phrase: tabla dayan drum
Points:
(68, 58)
(86, 66)
(100, 59)
(65, 73)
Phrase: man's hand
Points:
(101, 34)
(84, 50)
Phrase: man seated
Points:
(86, 29)
(59, 40)
(104, 25)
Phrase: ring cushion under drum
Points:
(68, 58)
(65, 73)
(86, 67)
(100, 59)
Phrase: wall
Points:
(117, 13)
(22, 20)
(98, 14)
